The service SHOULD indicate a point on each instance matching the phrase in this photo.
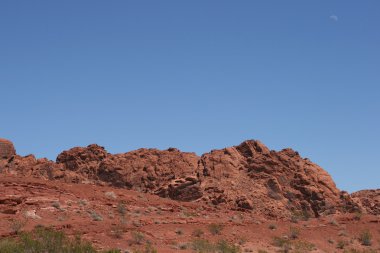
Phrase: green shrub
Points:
(341, 244)
(302, 246)
(358, 215)
(95, 216)
(148, 249)
(197, 232)
(204, 246)
(137, 237)
(43, 239)
(17, 225)
(366, 238)
(121, 209)
(215, 229)
(179, 231)
(225, 247)
(280, 241)
(294, 232)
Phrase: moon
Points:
(334, 18)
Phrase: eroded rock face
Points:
(275, 183)
(147, 170)
(7, 149)
(84, 161)
(248, 177)
(369, 200)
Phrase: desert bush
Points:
(182, 246)
(56, 205)
(366, 238)
(299, 215)
(179, 231)
(341, 244)
(197, 232)
(360, 251)
(82, 202)
(333, 222)
(280, 241)
(110, 195)
(215, 229)
(302, 246)
(272, 226)
(118, 230)
(10, 246)
(43, 239)
(17, 225)
(121, 209)
(148, 249)
(204, 246)
(137, 237)
(225, 247)
(294, 232)
(95, 216)
(358, 215)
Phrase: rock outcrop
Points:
(369, 200)
(7, 149)
(248, 177)
(275, 183)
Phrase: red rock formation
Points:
(369, 200)
(7, 149)
(250, 176)
(247, 177)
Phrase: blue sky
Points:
(197, 75)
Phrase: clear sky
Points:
(197, 75)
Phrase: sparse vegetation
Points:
(182, 246)
(286, 245)
(215, 229)
(299, 215)
(121, 209)
(95, 216)
(56, 205)
(148, 249)
(360, 251)
(179, 231)
(43, 239)
(272, 226)
(341, 244)
(197, 233)
(137, 237)
(294, 232)
(365, 238)
(204, 246)
(280, 241)
(117, 231)
(82, 202)
(225, 247)
(303, 246)
(333, 222)
(358, 215)
(110, 195)
(16, 226)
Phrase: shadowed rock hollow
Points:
(248, 177)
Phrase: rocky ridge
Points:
(248, 177)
